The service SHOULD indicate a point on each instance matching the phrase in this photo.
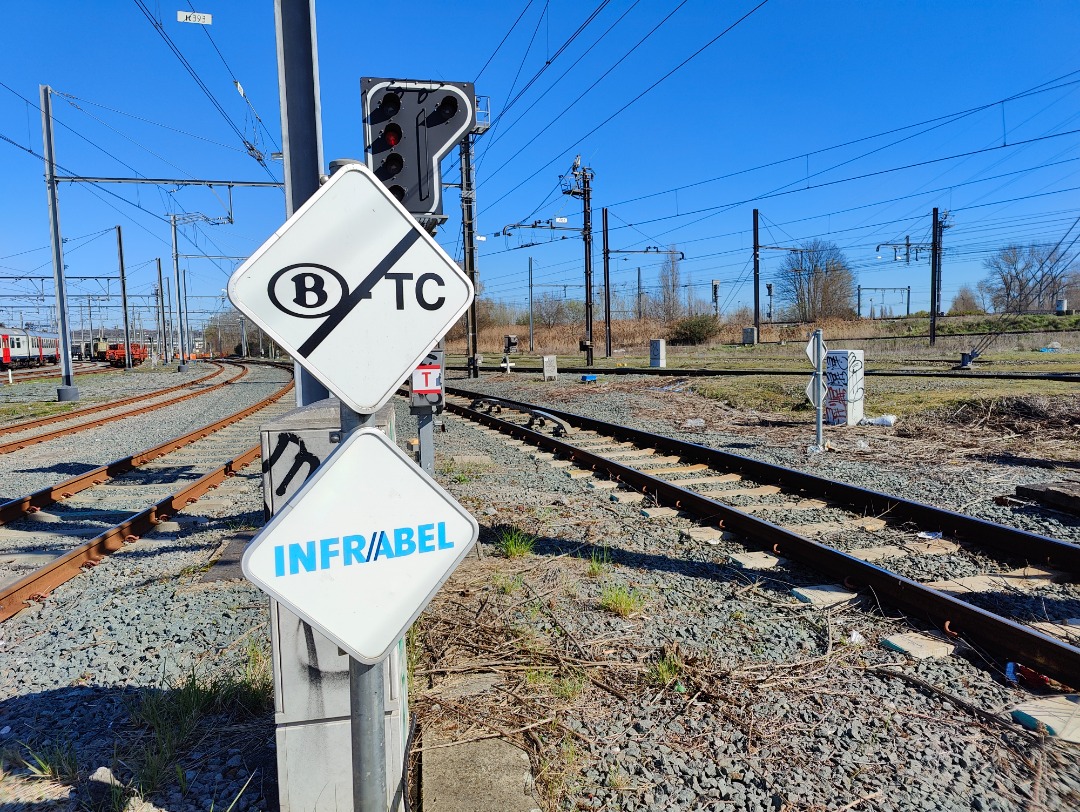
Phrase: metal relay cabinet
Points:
(311, 674)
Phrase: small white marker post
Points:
(815, 351)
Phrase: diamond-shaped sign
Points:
(353, 288)
(362, 547)
(816, 390)
(811, 351)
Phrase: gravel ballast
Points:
(766, 704)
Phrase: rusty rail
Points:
(11, 428)
(39, 583)
(17, 445)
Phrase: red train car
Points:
(115, 354)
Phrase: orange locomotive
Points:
(115, 354)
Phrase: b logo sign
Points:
(307, 291)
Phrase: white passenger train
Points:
(27, 348)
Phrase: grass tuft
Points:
(513, 542)
(55, 760)
(621, 600)
(665, 670)
(599, 563)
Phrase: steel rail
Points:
(998, 635)
(1032, 547)
(18, 445)
(672, 372)
(25, 425)
(37, 584)
(20, 506)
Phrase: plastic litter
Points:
(925, 534)
(856, 639)
(862, 445)
(694, 423)
(884, 420)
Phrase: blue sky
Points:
(845, 121)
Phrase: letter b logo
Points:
(307, 291)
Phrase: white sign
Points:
(194, 17)
(427, 380)
(362, 547)
(353, 288)
(811, 352)
(816, 390)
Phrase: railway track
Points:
(44, 373)
(25, 433)
(1068, 377)
(868, 543)
(116, 503)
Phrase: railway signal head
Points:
(409, 127)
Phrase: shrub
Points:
(694, 330)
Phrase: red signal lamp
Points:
(392, 135)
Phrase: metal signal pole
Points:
(163, 332)
(757, 281)
(123, 300)
(468, 230)
(67, 391)
(935, 271)
(607, 288)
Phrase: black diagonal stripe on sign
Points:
(345, 306)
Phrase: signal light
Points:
(390, 105)
(448, 107)
(409, 127)
(393, 163)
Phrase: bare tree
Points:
(965, 302)
(667, 305)
(1020, 280)
(817, 282)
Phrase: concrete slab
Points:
(603, 484)
(755, 561)
(1021, 579)
(686, 469)
(933, 547)
(660, 512)
(760, 490)
(460, 686)
(1060, 715)
(878, 553)
(804, 504)
(30, 558)
(920, 646)
(869, 524)
(708, 535)
(709, 480)
(561, 464)
(824, 595)
(225, 565)
(472, 459)
(482, 776)
(632, 453)
(627, 497)
(579, 473)
(1068, 630)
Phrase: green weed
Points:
(506, 584)
(56, 760)
(621, 600)
(665, 670)
(599, 562)
(514, 542)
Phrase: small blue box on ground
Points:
(588, 379)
